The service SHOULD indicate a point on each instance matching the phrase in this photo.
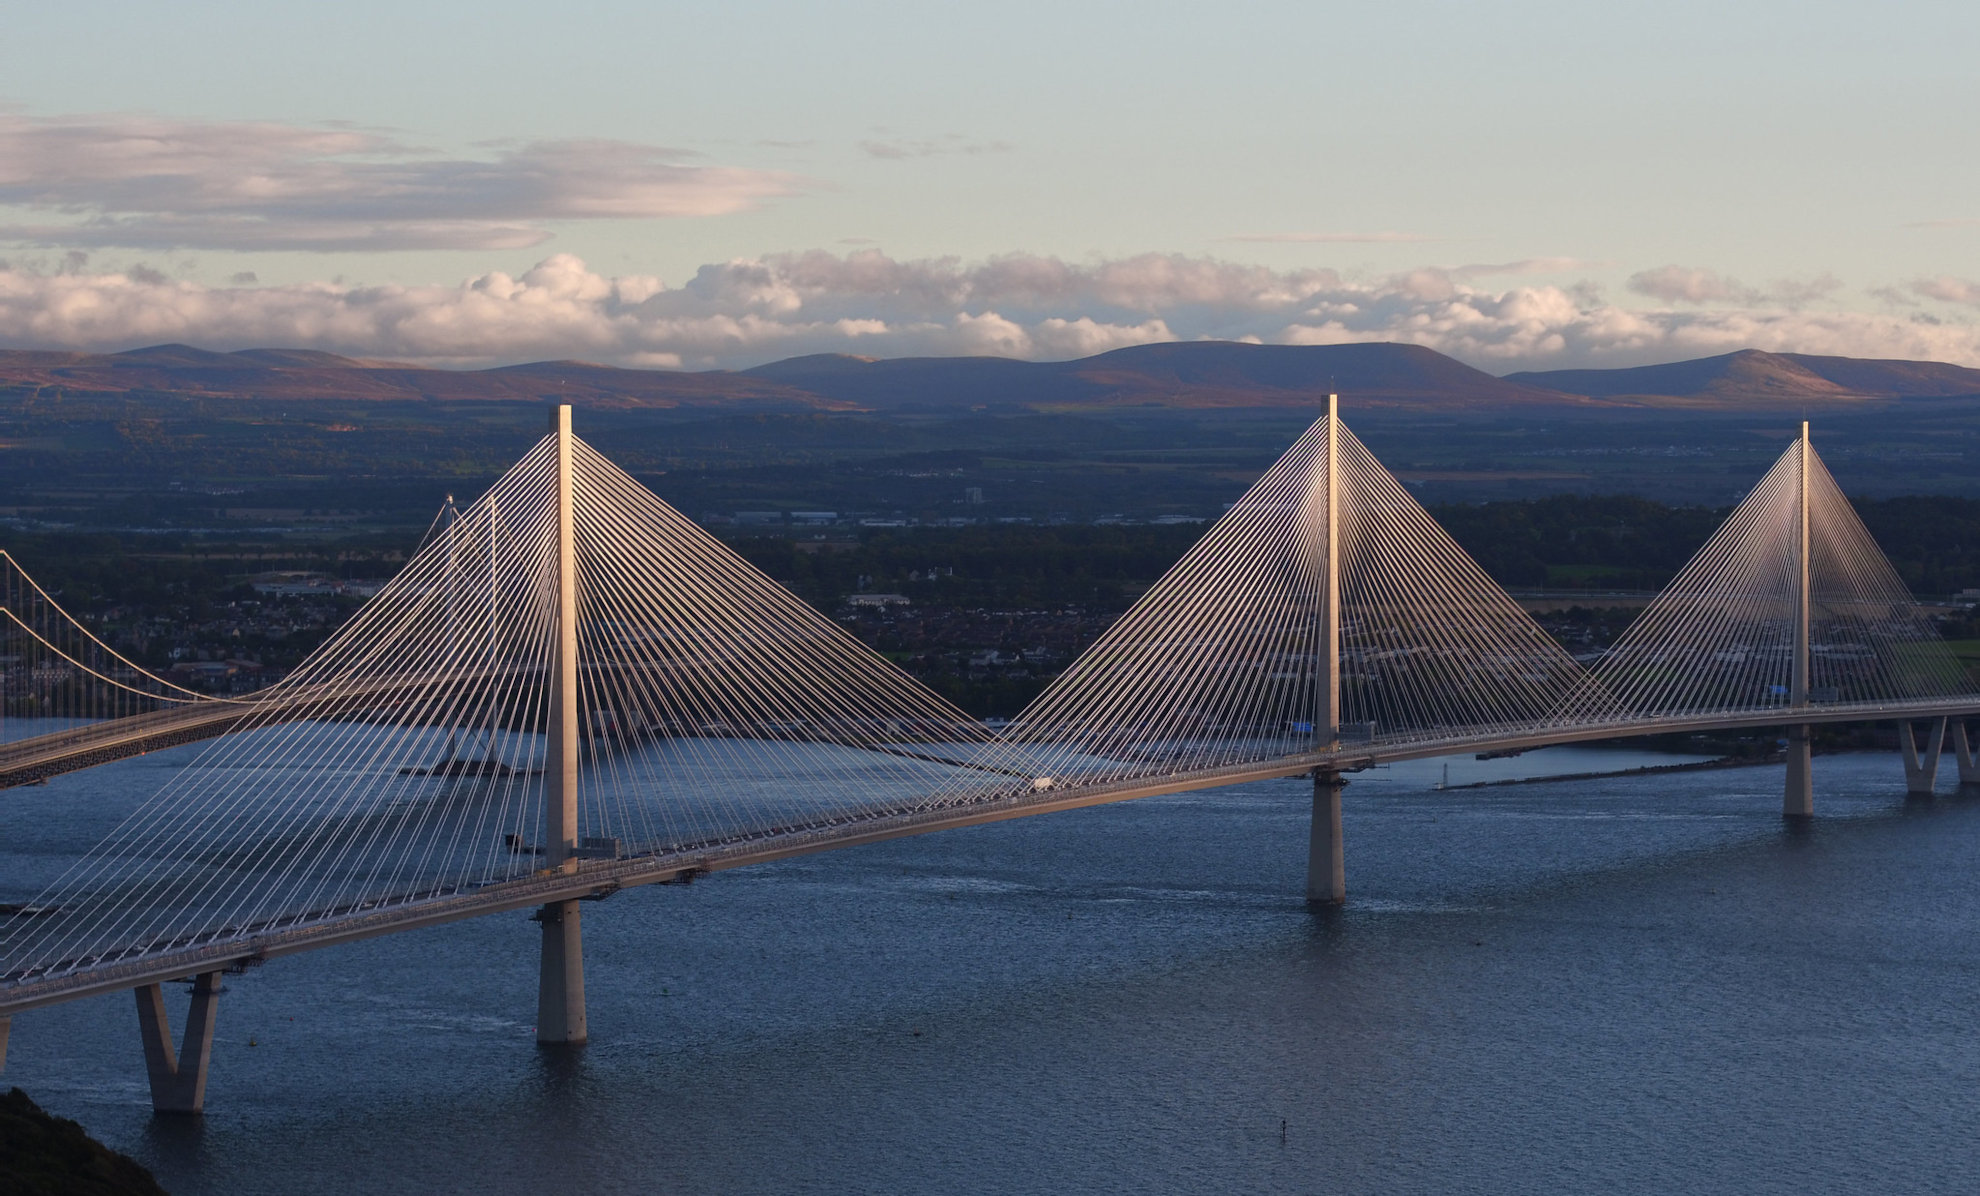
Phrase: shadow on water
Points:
(560, 1071)
(565, 1092)
(1327, 924)
(176, 1143)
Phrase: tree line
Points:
(1565, 542)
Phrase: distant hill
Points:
(299, 374)
(1190, 374)
(1205, 374)
(1193, 375)
(1751, 376)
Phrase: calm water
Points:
(1641, 983)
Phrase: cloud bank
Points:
(1691, 284)
(748, 311)
(154, 183)
(897, 148)
(1947, 289)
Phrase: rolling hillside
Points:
(1753, 377)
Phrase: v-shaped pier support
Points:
(1969, 768)
(1921, 769)
(178, 1079)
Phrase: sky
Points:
(1522, 185)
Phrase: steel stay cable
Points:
(352, 735)
(72, 621)
(825, 683)
(1212, 559)
(744, 705)
(356, 743)
(220, 754)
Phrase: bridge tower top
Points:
(620, 686)
(560, 803)
(1325, 608)
(1329, 733)
(1789, 605)
(1803, 609)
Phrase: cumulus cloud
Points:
(750, 310)
(1690, 284)
(1687, 284)
(1947, 289)
(156, 183)
(1797, 293)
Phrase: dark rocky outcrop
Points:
(43, 1155)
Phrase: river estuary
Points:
(1640, 982)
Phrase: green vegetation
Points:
(329, 468)
(1934, 540)
(1967, 652)
(994, 610)
(41, 1155)
(1618, 542)
(1579, 542)
(1001, 567)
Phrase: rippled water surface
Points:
(1639, 982)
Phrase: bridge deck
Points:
(25, 761)
(246, 946)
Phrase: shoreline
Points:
(1642, 770)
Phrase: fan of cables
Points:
(55, 672)
(1721, 638)
(1223, 660)
(405, 759)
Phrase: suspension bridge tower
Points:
(1326, 870)
(1799, 799)
(560, 987)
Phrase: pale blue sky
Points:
(1825, 144)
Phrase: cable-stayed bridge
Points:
(574, 689)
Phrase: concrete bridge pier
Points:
(1921, 770)
(178, 1079)
(1326, 858)
(1963, 753)
(1799, 799)
(560, 986)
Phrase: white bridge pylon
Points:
(1789, 604)
(1320, 609)
(576, 688)
(418, 755)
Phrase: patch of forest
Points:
(1565, 542)
(992, 611)
(1621, 542)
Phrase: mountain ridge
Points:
(1192, 375)
(1754, 375)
